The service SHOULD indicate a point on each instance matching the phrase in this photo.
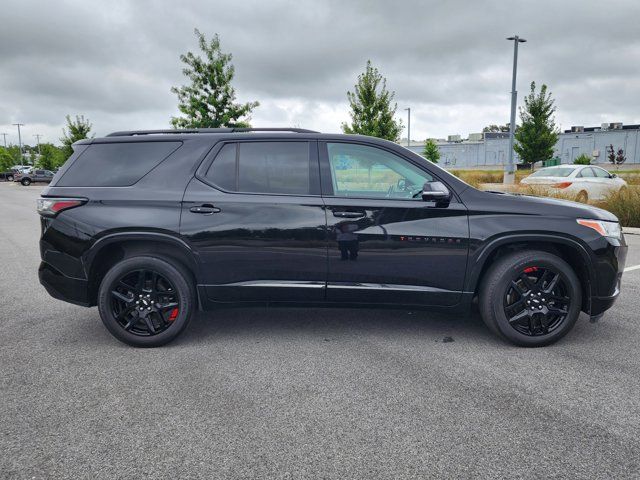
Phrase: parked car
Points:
(178, 221)
(585, 182)
(9, 174)
(31, 176)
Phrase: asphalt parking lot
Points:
(298, 393)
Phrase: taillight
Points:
(563, 184)
(50, 207)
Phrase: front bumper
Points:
(58, 285)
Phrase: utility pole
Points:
(5, 139)
(19, 140)
(509, 168)
(408, 126)
(37, 135)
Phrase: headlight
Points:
(606, 229)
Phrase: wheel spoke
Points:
(552, 284)
(149, 323)
(557, 310)
(131, 323)
(166, 306)
(514, 308)
(559, 298)
(141, 279)
(527, 282)
(518, 317)
(154, 282)
(544, 278)
(518, 288)
(122, 297)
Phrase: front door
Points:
(255, 217)
(386, 245)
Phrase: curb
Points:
(631, 231)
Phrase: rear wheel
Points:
(26, 182)
(583, 197)
(146, 301)
(531, 298)
(9, 178)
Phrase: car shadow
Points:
(332, 323)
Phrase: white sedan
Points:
(586, 182)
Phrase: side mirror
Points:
(614, 175)
(436, 192)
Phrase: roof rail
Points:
(131, 133)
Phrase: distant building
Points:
(492, 149)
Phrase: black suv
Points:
(152, 225)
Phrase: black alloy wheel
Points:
(536, 303)
(144, 302)
(531, 298)
(147, 301)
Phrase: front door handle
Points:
(206, 209)
(348, 214)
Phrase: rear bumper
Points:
(63, 288)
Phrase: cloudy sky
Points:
(115, 61)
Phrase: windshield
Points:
(554, 172)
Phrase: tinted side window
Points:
(364, 171)
(116, 164)
(586, 173)
(263, 167)
(222, 171)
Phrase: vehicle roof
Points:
(227, 134)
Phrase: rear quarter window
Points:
(116, 164)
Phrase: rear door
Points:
(255, 217)
(385, 246)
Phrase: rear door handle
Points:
(206, 209)
(348, 214)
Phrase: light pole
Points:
(509, 168)
(408, 126)
(19, 139)
(5, 139)
(37, 135)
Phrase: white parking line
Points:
(635, 267)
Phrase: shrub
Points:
(582, 159)
(477, 177)
(624, 204)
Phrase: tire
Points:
(582, 197)
(10, 178)
(180, 290)
(498, 287)
(26, 182)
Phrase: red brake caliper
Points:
(530, 269)
(173, 315)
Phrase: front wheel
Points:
(531, 298)
(146, 301)
(26, 182)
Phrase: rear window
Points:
(116, 164)
(554, 172)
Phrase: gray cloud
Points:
(115, 62)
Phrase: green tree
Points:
(537, 135)
(77, 129)
(431, 151)
(371, 109)
(6, 159)
(51, 157)
(493, 128)
(209, 100)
